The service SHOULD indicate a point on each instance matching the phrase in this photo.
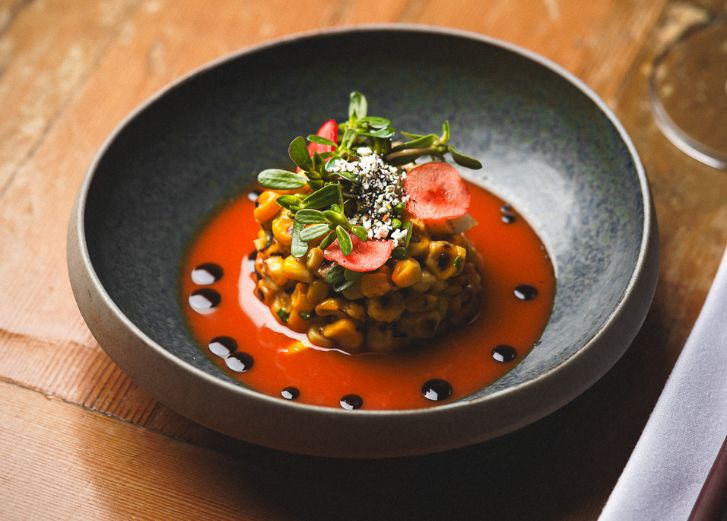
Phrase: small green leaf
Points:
(305, 315)
(409, 229)
(320, 140)
(360, 232)
(396, 223)
(420, 142)
(466, 161)
(324, 197)
(381, 132)
(298, 152)
(445, 132)
(344, 240)
(337, 218)
(289, 202)
(284, 314)
(376, 121)
(281, 179)
(357, 105)
(411, 135)
(298, 246)
(310, 217)
(327, 240)
(348, 176)
(313, 232)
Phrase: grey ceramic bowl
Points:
(549, 146)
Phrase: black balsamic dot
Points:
(525, 292)
(204, 300)
(222, 346)
(505, 208)
(207, 273)
(290, 393)
(351, 402)
(239, 362)
(508, 218)
(253, 195)
(436, 390)
(503, 353)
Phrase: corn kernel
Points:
(274, 270)
(295, 270)
(376, 284)
(343, 331)
(316, 337)
(353, 292)
(317, 291)
(266, 207)
(445, 259)
(380, 338)
(314, 258)
(425, 284)
(387, 308)
(282, 229)
(406, 273)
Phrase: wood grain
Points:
(65, 84)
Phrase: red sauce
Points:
(513, 256)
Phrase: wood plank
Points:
(61, 462)
(42, 64)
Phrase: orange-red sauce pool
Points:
(512, 319)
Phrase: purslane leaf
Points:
(344, 240)
(357, 105)
(298, 152)
(463, 160)
(323, 197)
(298, 247)
(309, 216)
(313, 232)
(320, 140)
(281, 179)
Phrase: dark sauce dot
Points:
(525, 292)
(252, 196)
(508, 218)
(222, 346)
(207, 273)
(436, 390)
(504, 353)
(204, 300)
(239, 362)
(505, 208)
(351, 402)
(290, 393)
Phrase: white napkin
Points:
(685, 431)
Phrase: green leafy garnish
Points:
(284, 314)
(313, 232)
(325, 211)
(281, 179)
(344, 240)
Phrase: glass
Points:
(688, 91)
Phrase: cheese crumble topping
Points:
(379, 191)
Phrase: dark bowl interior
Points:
(547, 147)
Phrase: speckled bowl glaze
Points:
(549, 146)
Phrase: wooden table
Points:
(79, 440)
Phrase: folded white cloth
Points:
(685, 431)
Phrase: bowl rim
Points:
(648, 230)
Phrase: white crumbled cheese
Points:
(378, 190)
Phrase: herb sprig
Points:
(323, 213)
